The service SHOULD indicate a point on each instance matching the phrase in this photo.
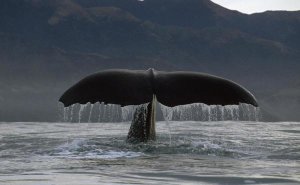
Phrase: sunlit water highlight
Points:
(225, 152)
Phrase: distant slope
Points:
(46, 45)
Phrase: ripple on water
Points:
(83, 148)
(196, 153)
(101, 148)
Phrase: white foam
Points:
(73, 145)
(80, 149)
(114, 154)
(205, 145)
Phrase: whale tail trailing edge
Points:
(134, 87)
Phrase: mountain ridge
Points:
(46, 43)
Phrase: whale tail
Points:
(136, 87)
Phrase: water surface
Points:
(225, 152)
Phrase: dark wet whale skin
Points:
(136, 87)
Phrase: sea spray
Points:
(101, 112)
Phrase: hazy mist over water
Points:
(225, 152)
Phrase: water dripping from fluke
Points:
(103, 113)
(97, 112)
(90, 114)
(203, 112)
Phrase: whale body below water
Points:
(144, 88)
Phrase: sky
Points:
(254, 6)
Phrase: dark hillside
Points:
(47, 45)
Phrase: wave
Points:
(115, 148)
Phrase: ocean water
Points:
(189, 152)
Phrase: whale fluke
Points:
(130, 87)
(135, 87)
